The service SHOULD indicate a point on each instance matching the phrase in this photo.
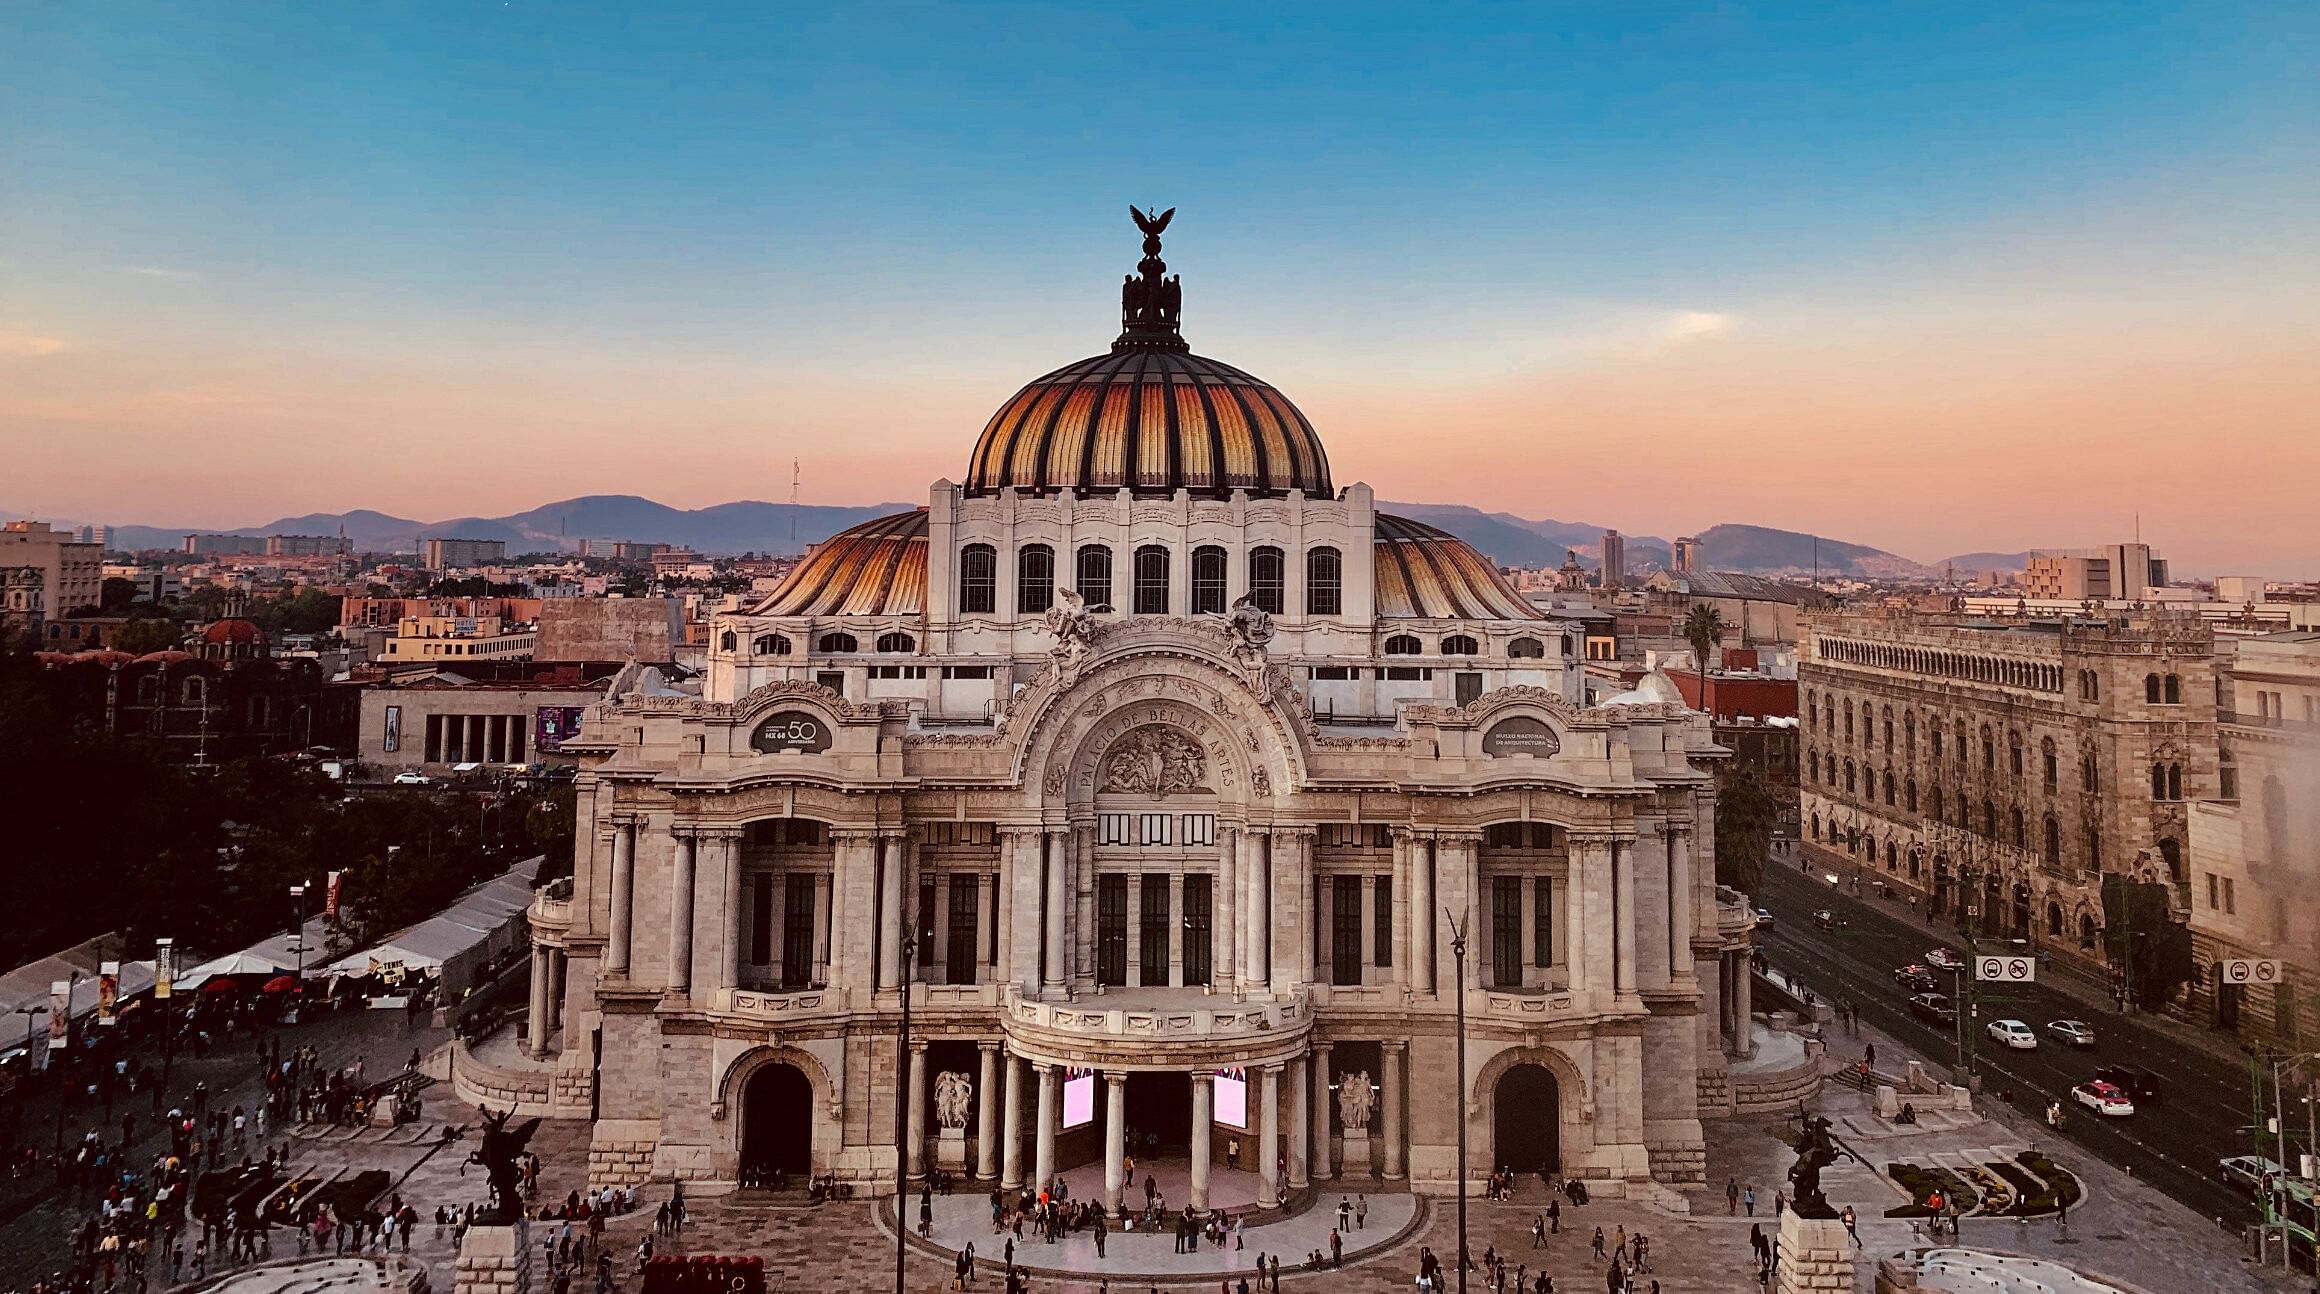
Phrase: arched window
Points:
(1892, 856)
(1526, 649)
(833, 644)
(728, 641)
(1933, 732)
(2014, 752)
(1812, 709)
(2151, 688)
(2054, 920)
(149, 692)
(897, 642)
(1094, 575)
(1909, 794)
(1849, 777)
(770, 645)
(1812, 761)
(2171, 853)
(1207, 580)
(1989, 748)
(2174, 781)
(1403, 645)
(2089, 773)
(2049, 767)
(2173, 690)
(2053, 841)
(1460, 645)
(1324, 582)
(1887, 719)
(1034, 579)
(2093, 849)
(2158, 781)
(1848, 721)
(1940, 805)
(2017, 830)
(2086, 931)
(1909, 732)
(1989, 818)
(1816, 826)
(1888, 786)
(1151, 575)
(194, 691)
(978, 580)
(1268, 579)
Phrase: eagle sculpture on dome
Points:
(1152, 225)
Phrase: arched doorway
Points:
(1527, 1115)
(777, 1133)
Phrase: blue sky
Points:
(922, 206)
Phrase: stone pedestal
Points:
(1353, 1157)
(1816, 1256)
(494, 1260)
(950, 1150)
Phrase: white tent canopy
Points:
(28, 985)
(468, 924)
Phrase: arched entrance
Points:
(1527, 1111)
(777, 1134)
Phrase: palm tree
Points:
(1704, 630)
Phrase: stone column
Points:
(890, 922)
(1300, 1126)
(726, 973)
(616, 946)
(1324, 1164)
(1289, 930)
(1745, 1013)
(1256, 969)
(854, 900)
(1011, 1134)
(1680, 904)
(915, 1138)
(1224, 960)
(1624, 926)
(1401, 921)
(536, 1027)
(1115, 1137)
(1423, 919)
(1458, 882)
(987, 1115)
(1269, 1142)
(1590, 935)
(1397, 1055)
(681, 914)
(1020, 849)
(1043, 1162)
(1203, 1096)
(1053, 965)
(560, 965)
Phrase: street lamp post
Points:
(902, 1108)
(1458, 959)
(72, 986)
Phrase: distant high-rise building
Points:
(1614, 560)
(2116, 573)
(224, 546)
(452, 554)
(1686, 554)
(306, 546)
(101, 536)
(72, 575)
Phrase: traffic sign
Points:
(2006, 970)
(2244, 970)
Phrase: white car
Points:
(2078, 1033)
(2013, 1033)
(413, 778)
(1763, 919)
(2103, 1098)
(1944, 959)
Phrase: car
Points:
(2247, 1172)
(413, 777)
(1944, 959)
(1763, 919)
(1916, 978)
(2013, 1033)
(2078, 1033)
(1827, 920)
(2139, 1083)
(2104, 1099)
(1933, 1008)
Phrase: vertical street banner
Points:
(330, 897)
(164, 968)
(59, 1013)
(108, 993)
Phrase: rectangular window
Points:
(515, 739)
(900, 671)
(1153, 930)
(966, 671)
(1112, 929)
(1381, 915)
(1207, 581)
(1095, 575)
(1506, 931)
(760, 919)
(1268, 579)
(1197, 915)
(394, 735)
(1335, 673)
(1543, 921)
(959, 955)
(797, 930)
(1405, 674)
(1324, 583)
(925, 952)
(1345, 930)
(1154, 828)
(2230, 903)
(1114, 828)
(2214, 891)
(434, 739)
(1199, 829)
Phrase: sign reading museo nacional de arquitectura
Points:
(1138, 755)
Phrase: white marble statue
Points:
(954, 1092)
(1354, 1100)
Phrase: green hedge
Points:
(1921, 1183)
(2063, 1183)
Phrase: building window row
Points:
(1151, 576)
(1970, 666)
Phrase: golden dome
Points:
(877, 568)
(1429, 574)
(1151, 416)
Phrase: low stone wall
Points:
(479, 1083)
(495, 1260)
(1816, 1256)
(1715, 1088)
(1772, 1092)
(621, 1152)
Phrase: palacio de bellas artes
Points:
(1180, 788)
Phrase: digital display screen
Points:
(1079, 1099)
(1232, 1099)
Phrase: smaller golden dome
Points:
(877, 568)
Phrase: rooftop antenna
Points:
(794, 472)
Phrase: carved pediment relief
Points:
(1155, 760)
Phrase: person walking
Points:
(1600, 1251)
(1539, 1231)
(1732, 1195)
(1852, 1225)
(1360, 1212)
(1748, 1199)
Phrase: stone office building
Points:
(1165, 773)
(2000, 768)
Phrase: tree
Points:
(1704, 630)
(1746, 813)
(117, 595)
(147, 634)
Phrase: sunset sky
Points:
(1932, 278)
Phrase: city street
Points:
(2203, 1113)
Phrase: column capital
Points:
(987, 1046)
(1602, 839)
(1274, 1070)
(1018, 831)
(1322, 1045)
(854, 835)
(1119, 1076)
(1392, 1045)
(918, 1046)
(1203, 1078)
(625, 818)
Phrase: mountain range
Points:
(759, 527)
